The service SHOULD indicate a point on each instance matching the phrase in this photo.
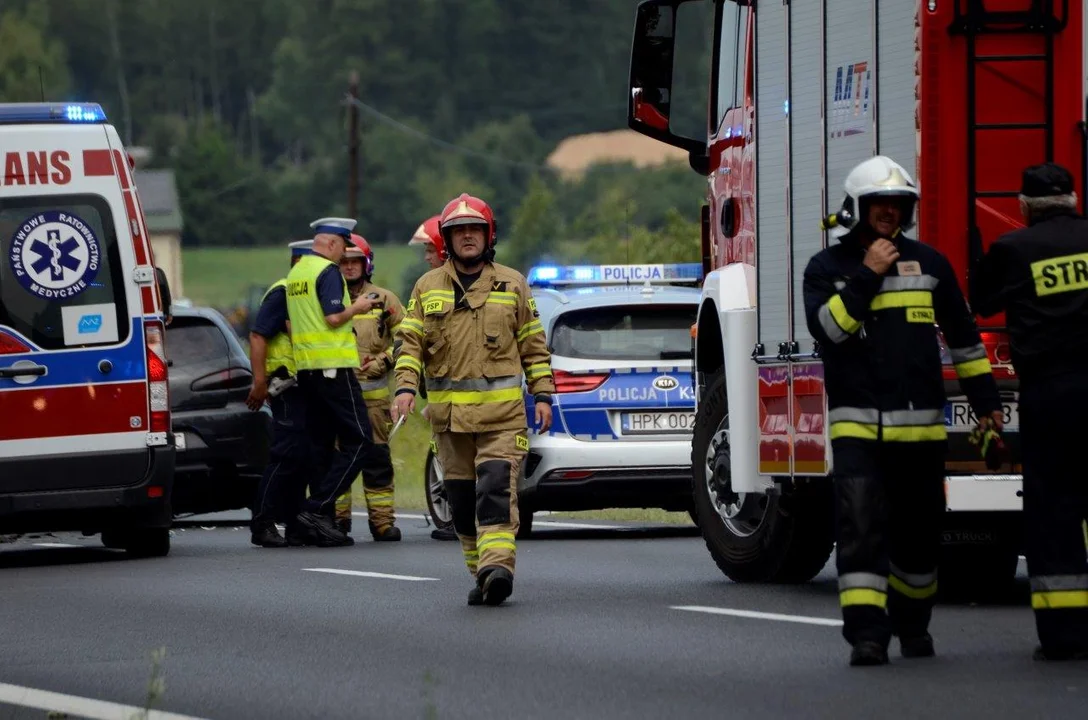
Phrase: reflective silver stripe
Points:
(478, 384)
(909, 282)
(1051, 583)
(916, 580)
(378, 384)
(835, 333)
(869, 416)
(840, 284)
(869, 581)
(962, 355)
(907, 418)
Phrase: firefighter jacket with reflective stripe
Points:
(375, 332)
(279, 352)
(879, 342)
(474, 346)
(1039, 276)
(317, 345)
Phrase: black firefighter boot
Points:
(868, 653)
(496, 584)
(919, 646)
(390, 533)
(266, 535)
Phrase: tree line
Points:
(247, 101)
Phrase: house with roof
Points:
(162, 213)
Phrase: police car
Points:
(85, 437)
(620, 338)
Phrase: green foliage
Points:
(249, 105)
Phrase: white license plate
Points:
(180, 441)
(656, 423)
(959, 417)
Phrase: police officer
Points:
(473, 331)
(283, 483)
(429, 235)
(321, 312)
(873, 301)
(374, 331)
(1038, 276)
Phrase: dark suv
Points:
(222, 446)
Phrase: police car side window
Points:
(61, 279)
(624, 333)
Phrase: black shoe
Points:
(267, 536)
(919, 646)
(299, 536)
(1058, 654)
(475, 596)
(390, 534)
(867, 653)
(325, 530)
(343, 525)
(443, 534)
(497, 585)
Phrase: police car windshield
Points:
(60, 271)
(625, 333)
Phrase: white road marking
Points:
(363, 573)
(829, 622)
(56, 545)
(79, 706)
(549, 523)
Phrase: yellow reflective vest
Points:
(279, 353)
(317, 346)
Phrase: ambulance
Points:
(85, 439)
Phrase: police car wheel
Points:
(437, 504)
(784, 537)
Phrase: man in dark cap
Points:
(1038, 276)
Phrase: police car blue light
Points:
(624, 406)
(655, 274)
(44, 113)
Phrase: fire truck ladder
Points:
(974, 19)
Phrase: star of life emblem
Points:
(54, 255)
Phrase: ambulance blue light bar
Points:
(51, 113)
(568, 275)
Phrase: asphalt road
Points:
(592, 631)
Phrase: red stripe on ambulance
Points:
(97, 163)
(87, 410)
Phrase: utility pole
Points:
(353, 144)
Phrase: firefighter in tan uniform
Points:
(374, 334)
(473, 332)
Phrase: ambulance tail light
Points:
(158, 387)
(566, 382)
(12, 346)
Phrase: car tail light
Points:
(229, 379)
(157, 377)
(566, 382)
(12, 346)
(573, 474)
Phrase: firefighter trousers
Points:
(340, 415)
(282, 486)
(481, 480)
(379, 498)
(889, 502)
(1056, 508)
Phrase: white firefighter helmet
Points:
(878, 175)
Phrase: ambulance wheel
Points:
(139, 542)
(785, 537)
(437, 504)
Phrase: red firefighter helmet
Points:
(430, 232)
(468, 210)
(360, 248)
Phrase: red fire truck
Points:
(964, 94)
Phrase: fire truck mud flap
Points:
(766, 537)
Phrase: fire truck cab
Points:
(964, 94)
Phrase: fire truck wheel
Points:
(784, 537)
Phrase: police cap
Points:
(334, 226)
